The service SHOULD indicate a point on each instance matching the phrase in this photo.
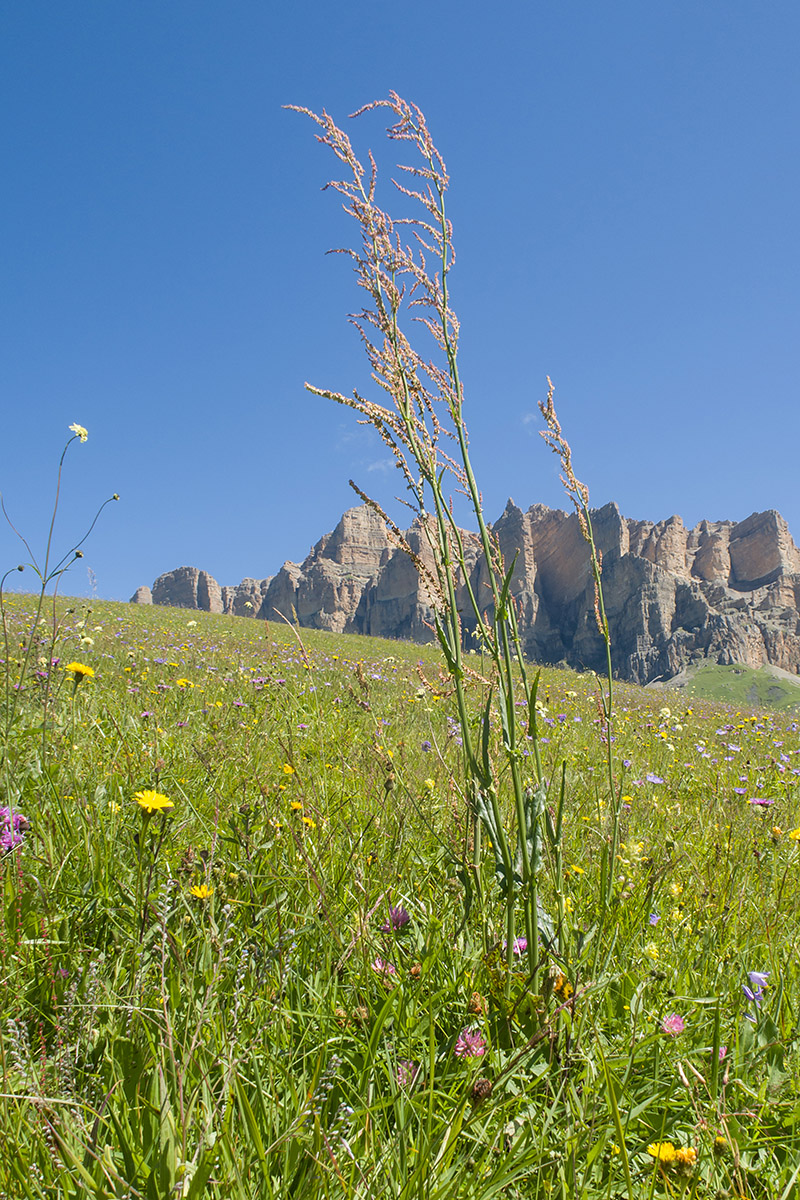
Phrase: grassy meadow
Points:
(245, 953)
(737, 684)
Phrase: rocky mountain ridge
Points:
(724, 590)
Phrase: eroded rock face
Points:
(246, 599)
(325, 592)
(142, 595)
(726, 591)
(761, 551)
(188, 588)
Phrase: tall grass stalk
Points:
(410, 279)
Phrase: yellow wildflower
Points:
(201, 891)
(665, 1152)
(652, 949)
(80, 671)
(288, 769)
(429, 784)
(794, 836)
(562, 987)
(79, 432)
(184, 683)
(153, 801)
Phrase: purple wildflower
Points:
(12, 828)
(760, 802)
(407, 1073)
(398, 918)
(470, 1044)
(651, 778)
(754, 993)
(673, 1024)
(426, 746)
(653, 919)
(381, 967)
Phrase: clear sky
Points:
(625, 181)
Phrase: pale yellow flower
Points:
(79, 432)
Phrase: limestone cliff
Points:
(722, 590)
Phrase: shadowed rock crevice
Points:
(723, 590)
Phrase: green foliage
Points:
(204, 1001)
(738, 684)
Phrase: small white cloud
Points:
(528, 417)
(381, 464)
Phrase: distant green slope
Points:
(743, 686)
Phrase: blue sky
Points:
(624, 184)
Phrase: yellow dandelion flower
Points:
(80, 671)
(665, 1152)
(288, 769)
(311, 824)
(153, 801)
(296, 805)
(201, 891)
(794, 835)
(79, 432)
(686, 1157)
(429, 784)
